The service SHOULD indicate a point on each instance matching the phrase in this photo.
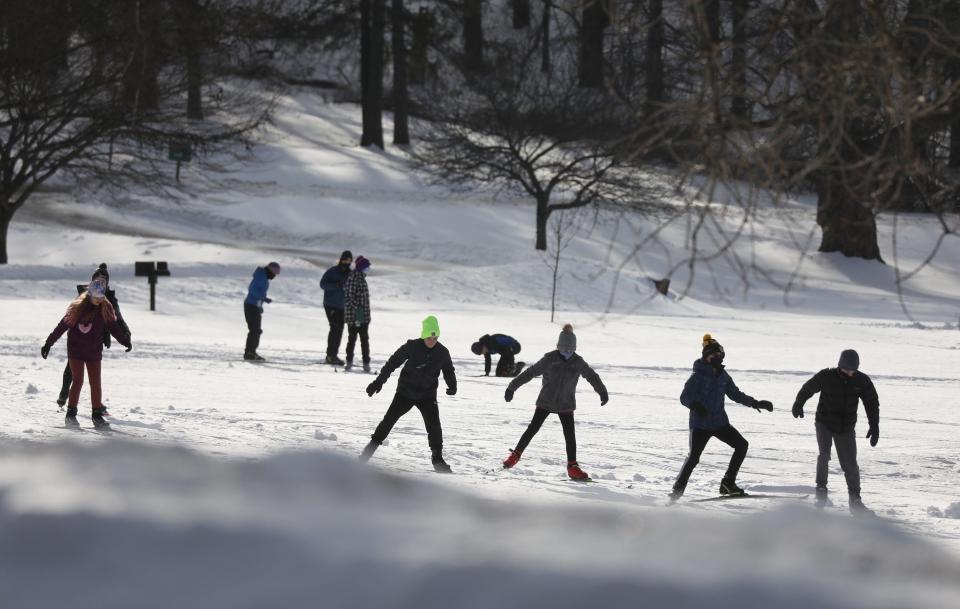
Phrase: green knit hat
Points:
(431, 327)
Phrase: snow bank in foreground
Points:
(951, 511)
(136, 526)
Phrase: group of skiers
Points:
(95, 315)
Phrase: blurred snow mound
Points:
(130, 525)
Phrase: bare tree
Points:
(77, 110)
(525, 131)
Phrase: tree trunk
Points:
(545, 38)
(401, 134)
(738, 60)
(591, 44)
(521, 14)
(953, 69)
(5, 217)
(371, 68)
(417, 60)
(141, 89)
(473, 34)
(848, 227)
(543, 214)
(654, 61)
(189, 23)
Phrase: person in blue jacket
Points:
(504, 346)
(253, 307)
(334, 302)
(704, 395)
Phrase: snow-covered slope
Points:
(263, 507)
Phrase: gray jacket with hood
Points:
(560, 377)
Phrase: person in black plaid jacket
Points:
(357, 312)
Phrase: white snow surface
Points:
(229, 484)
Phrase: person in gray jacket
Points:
(561, 370)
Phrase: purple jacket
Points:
(85, 340)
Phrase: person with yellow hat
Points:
(423, 360)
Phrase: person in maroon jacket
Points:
(84, 323)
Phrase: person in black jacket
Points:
(841, 390)
(423, 360)
(561, 370)
(504, 346)
(111, 295)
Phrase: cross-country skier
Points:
(253, 307)
(841, 391)
(504, 346)
(84, 322)
(334, 301)
(423, 360)
(357, 312)
(561, 370)
(100, 273)
(704, 394)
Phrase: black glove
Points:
(874, 435)
(374, 387)
(44, 351)
(604, 398)
(508, 395)
(452, 390)
(129, 347)
(268, 300)
(798, 411)
(699, 408)
(763, 405)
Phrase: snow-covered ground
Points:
(267, 505)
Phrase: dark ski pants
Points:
(335, 318)
(698, 441)
(93, 373)
(506, 364)
(846, 443)
(569, 431)
(254, 317)
(353, 330)
(400, 406)
(65, 386)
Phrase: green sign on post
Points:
(181, 152)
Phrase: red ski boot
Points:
(575, 473)
(511, 459)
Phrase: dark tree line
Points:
(855, 100)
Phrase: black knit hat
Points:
(101, 272)
(711, 346)
(477, 348)
(849, 360)
(346, 255)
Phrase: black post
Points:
(153, 286)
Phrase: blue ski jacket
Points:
(257, 292)
(708, 386)
(332, 284)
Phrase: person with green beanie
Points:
(423, 360)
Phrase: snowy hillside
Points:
(239, 481)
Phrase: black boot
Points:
(369, 449)
(729, 487)
(677, 492)
(98, 420)
(71, 419)
(439, 465)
